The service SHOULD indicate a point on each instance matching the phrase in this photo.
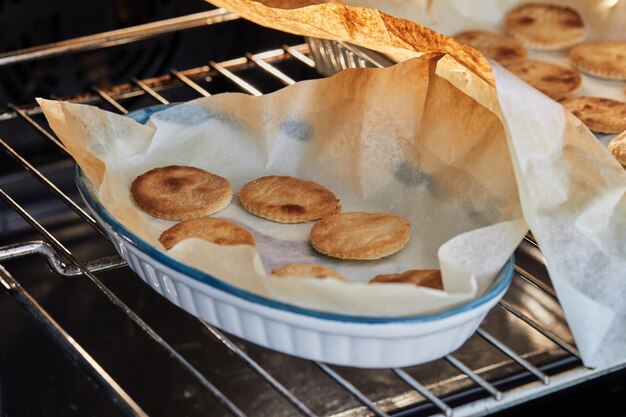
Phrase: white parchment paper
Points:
(350, 134)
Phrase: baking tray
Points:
(333, 338)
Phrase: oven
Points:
(81, 335)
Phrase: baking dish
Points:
(370, 342)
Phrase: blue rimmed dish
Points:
(372, 342)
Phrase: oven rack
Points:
(420, 398)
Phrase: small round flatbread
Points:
(601, 59)
(545, 27)
(553, 80)
(430, 278)
(180, 192)
(360, 235)
(211, 229)
(287, 199)
(307, 270)
(601, 115)
(617, 147)
(503, 49)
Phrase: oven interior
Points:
(101, 343)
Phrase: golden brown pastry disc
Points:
(288, 199)
(553, 80)
(211, 229)
(180, 193)
(599, 114)
(360, 235)
(307, 270)
(503, 49)
(617, 147)
(602, 59)
(423, 277)
(545, 27)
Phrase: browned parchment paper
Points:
(590, 287)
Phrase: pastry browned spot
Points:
(360, 235)
(599, 114)
(288, 199)
(553, 80)
(211, 229)
(504, 49)
(602, 59)
(181, 192)
(545, 26)
(307, 270)
(617, 147)
(423, 277)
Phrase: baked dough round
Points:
(601, 59)
(601, 115)
(553, 80)
(430, 278)
(288, 199)
(180, 192)
(545, 26)
(359, 235)
(617, 147)
(307, 270)
(503, 49)
(211, 229)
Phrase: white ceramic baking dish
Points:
(370, 342)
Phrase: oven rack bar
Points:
(151, 87)
(112, 262)
(117, 37)
(41, 248)
(71, 348)
(163, 82)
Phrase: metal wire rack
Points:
(468, 390)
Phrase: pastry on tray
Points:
(286, 199)
(211, 229)
(430, 278)
(545, 26)
(307, 270)
(181, 192)
(359, 235)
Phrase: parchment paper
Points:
(430, 139)
(349, 133)
(576, 210)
